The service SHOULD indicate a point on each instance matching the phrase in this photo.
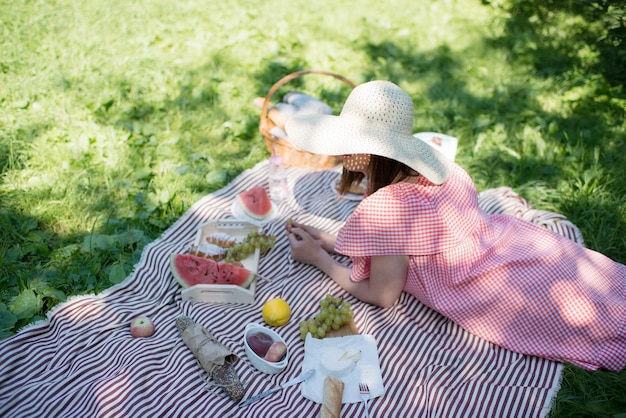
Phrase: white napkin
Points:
(445, 143)
(367, 370)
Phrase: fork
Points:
(365, 390)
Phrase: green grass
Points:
(116, 116)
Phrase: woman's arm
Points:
(383, 288)
(387, 273)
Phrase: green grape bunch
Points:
(334, 313)
(248, 245)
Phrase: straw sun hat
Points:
(377, 118)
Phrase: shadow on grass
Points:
(25, 289)
(597, 25)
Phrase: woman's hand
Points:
(326, 240)
(305, 247)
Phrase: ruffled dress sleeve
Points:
(409, 219)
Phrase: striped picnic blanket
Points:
(83, 362)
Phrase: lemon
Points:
(276, 312)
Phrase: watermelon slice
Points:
(255, 203)
(232, 274)
(190, 270)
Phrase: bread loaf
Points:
(333, 392)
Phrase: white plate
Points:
(348, 196)
(238, 212)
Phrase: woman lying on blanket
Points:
(420, 231)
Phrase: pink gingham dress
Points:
(513, 283)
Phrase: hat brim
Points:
(339, 135)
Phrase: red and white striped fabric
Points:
(83, 362)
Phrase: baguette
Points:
(333, 392)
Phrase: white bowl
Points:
(260, 363)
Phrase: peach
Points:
(276, 352)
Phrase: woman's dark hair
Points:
(382, 171)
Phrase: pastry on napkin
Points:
(366, 369)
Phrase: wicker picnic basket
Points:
(282, 146)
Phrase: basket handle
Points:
(290, 77)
